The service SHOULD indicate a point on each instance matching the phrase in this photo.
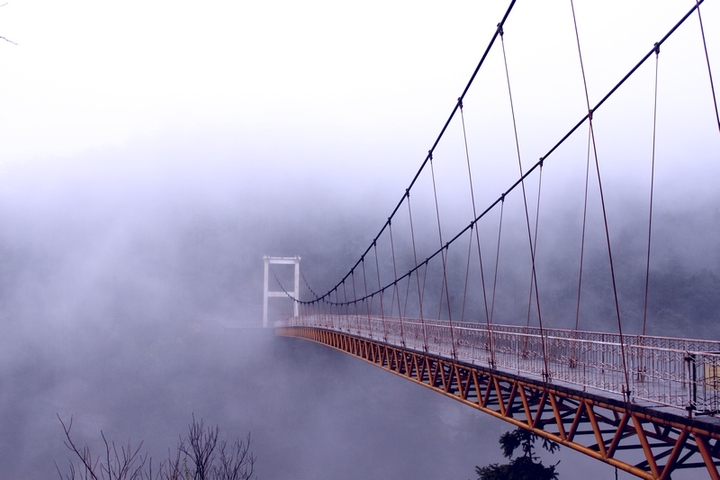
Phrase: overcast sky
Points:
(258, 97)
(90, 75)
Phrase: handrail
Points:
(673, 372)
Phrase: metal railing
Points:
(675, 372)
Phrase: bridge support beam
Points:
(646, 442)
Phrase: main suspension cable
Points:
(518, 182)
(440, 135)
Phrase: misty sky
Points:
(151, 152)
(324, 86)
(316, 104)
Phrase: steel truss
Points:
(646, 441)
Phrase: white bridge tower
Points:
(267, 293)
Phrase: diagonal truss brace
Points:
(644, 442)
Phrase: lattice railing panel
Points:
(681, 373)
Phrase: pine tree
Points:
(525, 467)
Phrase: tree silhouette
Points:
(198, 456)
(525, 467)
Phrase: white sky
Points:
(317, 82)
(88, 73)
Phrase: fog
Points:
(123, 309)
(153, 152)
(122, 312)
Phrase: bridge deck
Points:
(679, 373)
(576, 398)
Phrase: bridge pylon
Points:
(267, 293)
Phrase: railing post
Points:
(690, 361)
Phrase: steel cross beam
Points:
(647, 442)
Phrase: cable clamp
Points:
(500, 29)
(460, 103)
(590, 114)
(657, 48)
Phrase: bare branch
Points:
(83, 454)
(199, 456)
(200, 447)
(236, 462)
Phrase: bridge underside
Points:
(647, 442)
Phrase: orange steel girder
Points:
(645, 442)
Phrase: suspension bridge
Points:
(546, 324)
